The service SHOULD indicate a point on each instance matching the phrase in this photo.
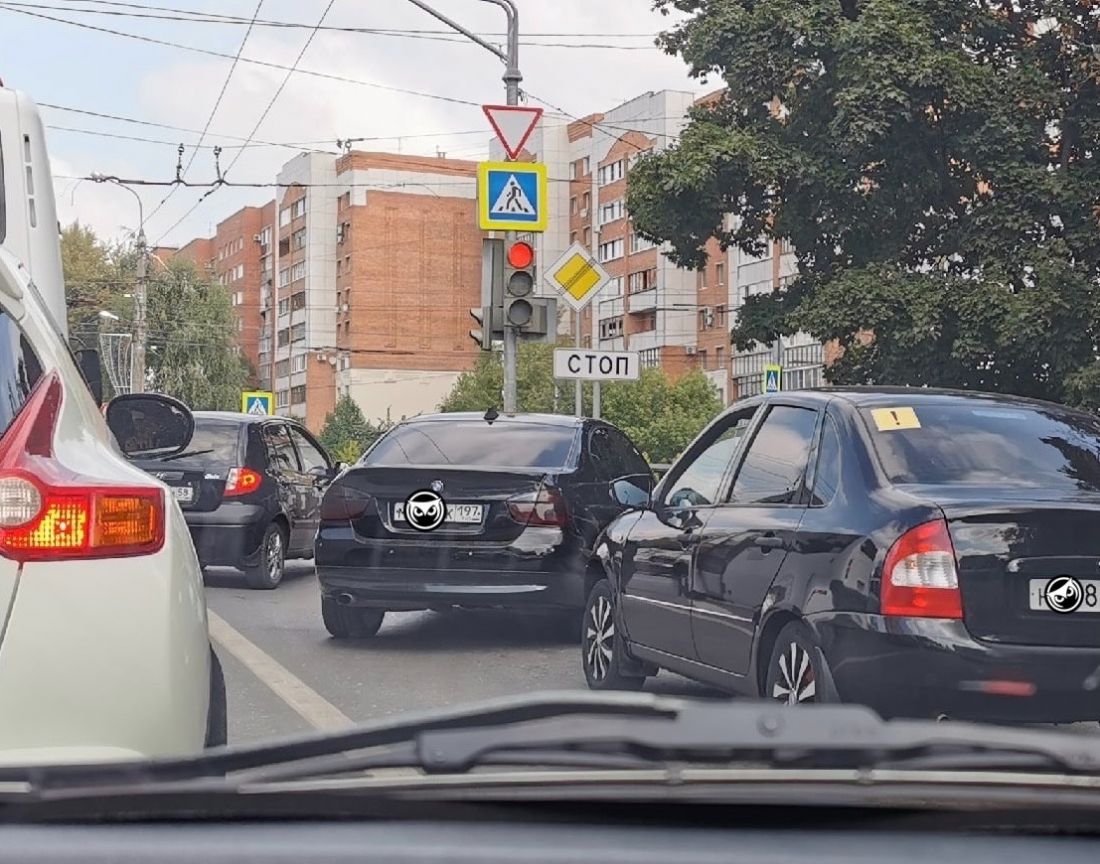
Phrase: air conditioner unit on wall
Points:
(691, 350)
(708, 317)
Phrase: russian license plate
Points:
(1090, 602)
(183, 493)
(461, 514)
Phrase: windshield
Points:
(731, 350)
(993, 444)
(504, 445)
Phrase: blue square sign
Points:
(512, 196)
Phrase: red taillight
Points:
(242, 481)
(545, 507)
(342, 503)
(919, 578)
(49, 513)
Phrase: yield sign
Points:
(513, 125)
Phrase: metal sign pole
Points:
(579, 411)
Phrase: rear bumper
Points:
(923, 667)
(230, 535)
(538, 569)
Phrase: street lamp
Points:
(110, 316)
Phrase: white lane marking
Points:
(310, 705)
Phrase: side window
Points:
(776, 461)
(700, 483)
(827, 477)
(280, 450)
(632, 460)
(613, 455)
(311, 457)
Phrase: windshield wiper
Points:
(172, 457)
(599, 731)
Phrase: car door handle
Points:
(768, 542)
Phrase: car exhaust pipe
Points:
(345, 599)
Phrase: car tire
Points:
(602, 646)
(217, 713)
(268, 571)
(796, 672)
(350, 622)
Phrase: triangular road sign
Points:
(512, 199)
(513, 125)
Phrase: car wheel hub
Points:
(795, 682)
(275, 555)
(599, 635)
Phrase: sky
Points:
(61, 64)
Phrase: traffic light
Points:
(483, 333)
(489, 315)
(519, 285)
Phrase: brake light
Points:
(242, 481)
(342, 503)
(919, 577)
(49, 513)
(545, 507)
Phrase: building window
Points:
(614, 287)
(587, 236)
(298, 300)
(650, 358)
(611, 328)
(612, 211)
(720, 274)
(639, 243)
(573, 205)
(572, 237)
(284, 306)
(298, 271)
(785, 246)
(339, 266)
(641, 280)
(298, 395)
(298, 239)
(343, 231)
(298, 208)
(284, 277)
(587, 203)
(719, 357)
(284, 338)
(284, 217)
(579, 168)
(298, 332)
(345, 200)
(298, 364)
(280, 368)
(647, 321)
(610, 173)
(611, 250)
(282, 399)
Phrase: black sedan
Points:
(922, 552)
(466, 510)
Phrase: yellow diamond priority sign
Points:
(577, 276)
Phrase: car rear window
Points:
(500, 445)
(215, 443)
(1005, 445)
(20, 370)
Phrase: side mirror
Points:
(150, 424)
(629, 492)
(92, 370)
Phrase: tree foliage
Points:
(935, 163)
(660, 416)
(347, 433)
(91, 279)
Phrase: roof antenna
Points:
(491, 415)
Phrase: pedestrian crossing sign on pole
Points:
(773, 378)
(511, 196)
(258, 402)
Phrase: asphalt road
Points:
(419, 660)
(286, 676)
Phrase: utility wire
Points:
(213, 111)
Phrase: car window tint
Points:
(827, 476)
(498, 445)
(280, 450)
(775, 463)
(311, 457)
(613, 455)
(20, 370)
(991, 444)
(700, 483)
(215, 443)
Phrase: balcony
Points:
(643, 301)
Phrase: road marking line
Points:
(310, 705)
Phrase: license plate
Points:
(183, 493)
(1090, 602)
(461, 514)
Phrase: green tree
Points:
(935, 164)
(660, 416)
(91, 280)
(347, 433)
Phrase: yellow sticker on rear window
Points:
(892, 419)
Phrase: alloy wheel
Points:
(599, 636)
(795, 682)
(275, 556)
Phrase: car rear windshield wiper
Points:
(173, 456)
(599, 731)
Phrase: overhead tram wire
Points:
(259, 123)
(214, 110)
(343, 79)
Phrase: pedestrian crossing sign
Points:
(773, 379)
(258, 402)
(512, 196)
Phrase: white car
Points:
(104, 647)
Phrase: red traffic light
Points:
(520, 255)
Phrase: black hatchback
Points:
(465, 510)
(919, 551)
(250, 488)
